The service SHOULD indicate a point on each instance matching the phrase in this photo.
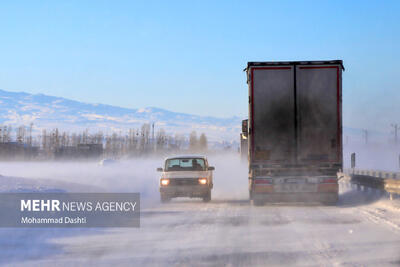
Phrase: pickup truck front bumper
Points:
(184, 190)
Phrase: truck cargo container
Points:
(294, 131)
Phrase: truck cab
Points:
(186, 176)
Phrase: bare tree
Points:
(193, 142)
(131, 142)
(203, 142)
(55, 143)
(144, 138)
(179, 141)
(161, 140)
(21, 134)
(7, 134)
(30, 134)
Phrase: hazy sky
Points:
(188, 56)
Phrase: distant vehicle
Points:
(294, 131)
(186, 176)
(107, 162)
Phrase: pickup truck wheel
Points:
(164, 198)
(207, 196)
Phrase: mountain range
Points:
(49, 112)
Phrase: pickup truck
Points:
(186, 176)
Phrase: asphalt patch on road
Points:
(275, 222)
(332, 221)
(236, 221)
(158, 212)
(244, 258)
(230, 221)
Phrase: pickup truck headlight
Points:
(164, 181)
(202, 180)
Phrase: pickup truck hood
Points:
(186, 174)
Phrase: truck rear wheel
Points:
(257, 200)
(331, 201)
(207, 196)
(164, 198)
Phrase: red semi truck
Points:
(294, 131)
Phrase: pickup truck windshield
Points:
(195, 164)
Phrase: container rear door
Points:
(318, 109)
(272, 111)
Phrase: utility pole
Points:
(399, 161)
(366, 136)
(396, 128)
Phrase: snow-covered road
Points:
(362, 229)
(234, 233)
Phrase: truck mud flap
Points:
(276, 198)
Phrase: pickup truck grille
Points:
(183, 181)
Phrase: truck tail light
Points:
(164, 181)
(263, 181)
(329, 181)
(203, 181)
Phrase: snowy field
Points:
(363, 229)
